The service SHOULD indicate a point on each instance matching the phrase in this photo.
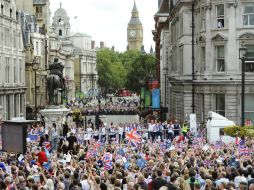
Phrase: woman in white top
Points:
(96, 135)
(170, 127)
(88, 135)
(102, 133)
(120, 132)
(151, 127)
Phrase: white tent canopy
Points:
(215, 123)
(219, 120)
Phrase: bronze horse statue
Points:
(55, 81)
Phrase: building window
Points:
(249, 65)
(220, 59)
(38, 12)
(220, 104)
(7, 37)
(14, 40)
(20, 71)
(203, 57)
(248, 14)
(8, 107)
(249, 107)
(15, 105)
(7, 70)
(60, 32)
(21, 108)
(15, 74)
(181, 58)
(202, 19)
(220, 16)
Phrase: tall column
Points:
(18, 105)
(12, 106)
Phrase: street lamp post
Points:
(165, 85)
(242, 54)
(35, 68)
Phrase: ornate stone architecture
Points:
(60, 46)
(220, 29)
(12, 62)
(135, 31)
(35, 20)
(86, 75)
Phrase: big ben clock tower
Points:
(135, 31)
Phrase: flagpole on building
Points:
(76, 18)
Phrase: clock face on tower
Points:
(132, 33)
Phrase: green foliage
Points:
(111, 72)
(124, 70)
(237, 131)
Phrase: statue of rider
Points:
(56, 68)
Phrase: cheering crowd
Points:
(120, 106)
(152, 156)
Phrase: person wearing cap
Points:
(30, 182)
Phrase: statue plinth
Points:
(54, 114)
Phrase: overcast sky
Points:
(107, 20)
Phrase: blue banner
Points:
(156, 98)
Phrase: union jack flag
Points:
(96, 145)
(89, 154)
(243, 151)
(108, 165)
(47, 145)
(207, 163)
(107, 158)
(133, 138)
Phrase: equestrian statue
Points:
(55, 81)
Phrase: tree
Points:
(111, 72)
(238, 131)
(141, 70)
(124, 70)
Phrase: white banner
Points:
(193, 123)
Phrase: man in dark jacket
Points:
(159, 181)
(141, 182)
(171, 185)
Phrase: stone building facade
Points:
(86, 75)
(12, 62)
(40, 9)
(76, 54)
(35, 21)
(60, 46)
(220, 29)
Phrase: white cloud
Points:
(107, 20)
